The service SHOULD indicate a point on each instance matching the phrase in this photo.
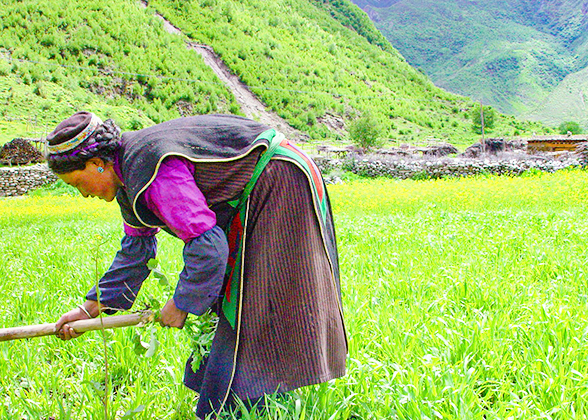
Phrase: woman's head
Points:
(81, 151)
(78, 139)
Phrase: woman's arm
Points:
(176, 200)
(120, 285)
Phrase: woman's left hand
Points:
(172, 316)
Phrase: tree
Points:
(569, 127)
(488, 115)
(365, 132)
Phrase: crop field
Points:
(463, 298)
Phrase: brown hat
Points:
(72, 132)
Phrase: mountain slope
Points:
(512, 54)
(60, 56)
(303, 62)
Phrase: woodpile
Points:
(494, 147)
(439, 150)
(20, 152)
(582, 152)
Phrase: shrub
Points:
(365, 132)
(569, 127)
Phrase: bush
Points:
(569, 127)
(365, 132)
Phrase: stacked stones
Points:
(20, 180)
(423, 168)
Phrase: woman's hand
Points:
(172, 316)
(62, 328)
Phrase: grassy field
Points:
(464, 299)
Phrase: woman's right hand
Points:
(63, 329)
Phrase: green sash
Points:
(235, 231)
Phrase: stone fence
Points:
(425, 168)
(19, 180)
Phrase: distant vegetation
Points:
(525, 58)
(306, 60)
(60, 56)
(365, 132)
(347, 14)
(483, 120)
(303, 64)
(571, 127)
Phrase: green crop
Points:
(463, 298)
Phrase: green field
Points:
(463, 298)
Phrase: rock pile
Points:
(20, 152)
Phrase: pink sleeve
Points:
(176, 200)
(134, 231)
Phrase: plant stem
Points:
(103, 331)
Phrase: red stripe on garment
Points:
(314, 172)
(234, 239)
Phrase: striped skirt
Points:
(291, 332)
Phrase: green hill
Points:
(517, 55)
(309, 61)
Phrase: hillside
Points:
(517, 55)
(308, 61)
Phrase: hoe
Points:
(115, 321)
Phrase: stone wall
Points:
(425, 168)
(19, 180)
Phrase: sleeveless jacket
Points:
(203, 138)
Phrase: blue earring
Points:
(100, 169)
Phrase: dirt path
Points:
(250, 106)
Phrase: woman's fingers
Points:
(63, 329)
(172, 316)
(67, 333)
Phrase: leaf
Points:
(140, 347)
(131, 413)
(152, 264)
(153, 302)
(97, 387)
(162, 277)
(153, 345)
(196, 360)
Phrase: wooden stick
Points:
(84, 325)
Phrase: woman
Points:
(259, 249)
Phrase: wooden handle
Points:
(84, 325)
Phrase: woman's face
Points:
(93, 181)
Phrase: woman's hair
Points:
(103, 143)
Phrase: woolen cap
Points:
(72, 132)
